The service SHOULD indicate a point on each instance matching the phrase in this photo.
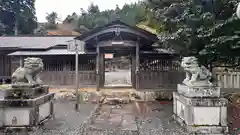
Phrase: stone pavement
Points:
(139, 118)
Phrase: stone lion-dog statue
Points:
(29, 73)
(195, 75)
(238, 10)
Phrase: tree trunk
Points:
(16, 26)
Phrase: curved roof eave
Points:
(120, 25)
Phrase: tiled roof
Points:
(47, 52)
(63, 32)
(147, 28)
(33, 42)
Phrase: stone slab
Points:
(198, 91)
(27, 93)
(115, 117)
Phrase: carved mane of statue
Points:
(195, 75)
(29, 73)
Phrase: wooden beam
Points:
(122, 43)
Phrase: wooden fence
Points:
(227, 79)
(86, 78)
(159, 73)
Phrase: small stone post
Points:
(197, 103)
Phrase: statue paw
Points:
(185, 80)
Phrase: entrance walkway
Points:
(138, 118)
(129, 119)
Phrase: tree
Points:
(193, 26)
(131, 14)
(52, 17)
(2, 29)
(93, 9)
(52, 20)
(15, 14)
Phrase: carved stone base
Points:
(202, 130)
(24, 92)
(201, 115)
(198, 91)
(25, 112)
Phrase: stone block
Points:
(201, 115)
(198, 91)
(25, 112)
(24, 85)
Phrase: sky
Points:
(67, 7)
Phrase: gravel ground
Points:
(67, 121)
(139, 118)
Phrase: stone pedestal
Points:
(201, 110)
(25, 106)
(25, 112)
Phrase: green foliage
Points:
(131, 14)
(51, 21)
(204, 28)
(19, 13)
(52, 17)
(93, 9)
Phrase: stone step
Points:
(116, 100)
(113, 96)
(119, 95)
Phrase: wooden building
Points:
(11, 44)
(150, 68)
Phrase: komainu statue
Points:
(29, 73)
(195, 75)
(238, 10)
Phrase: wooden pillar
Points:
(3, 65)
(65, 69)
(133, 69)
(102, 68)
(137, 67)
(98, 79)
